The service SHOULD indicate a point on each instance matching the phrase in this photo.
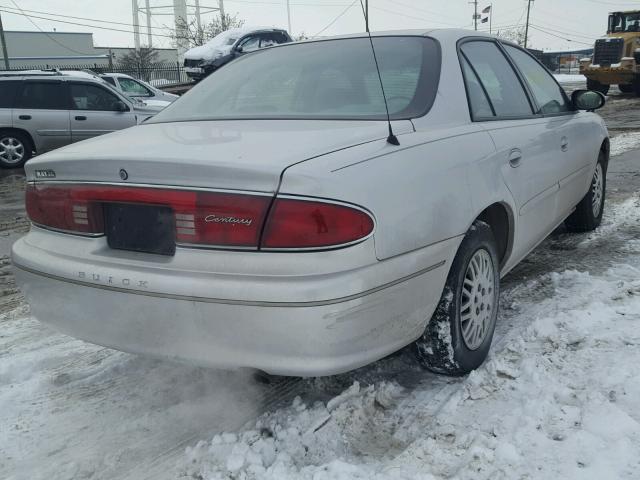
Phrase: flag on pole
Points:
(485, 20)
(487, 9)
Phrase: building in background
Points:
(51, 49)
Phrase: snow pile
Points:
(558, 398)
(625, 142)
(570, 78)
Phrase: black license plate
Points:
(140, 228)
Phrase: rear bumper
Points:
(328, 335)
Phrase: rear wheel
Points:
(15, 149)
(588, 213)
(458, 336)
(597, 86)
(629, 88)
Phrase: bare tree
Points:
(199, 36)
(140, 61)
(515, 35)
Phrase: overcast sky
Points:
(577, 22)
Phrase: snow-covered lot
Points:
(558, 398)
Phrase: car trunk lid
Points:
(247, 155)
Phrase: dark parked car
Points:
(227, 46)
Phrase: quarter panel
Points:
(427, 190)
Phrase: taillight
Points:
(204, 218)
(307, 224)
(58, 208)
(201, 217)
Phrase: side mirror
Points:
(121, 106)
(589, 100)
(239, 49)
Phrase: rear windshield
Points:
(333, 79)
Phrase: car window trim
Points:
(525, 87)
(571, 110)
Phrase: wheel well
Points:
(605, 148)
(23, 132)
(499, 219)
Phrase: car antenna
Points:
(392, 139)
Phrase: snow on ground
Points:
(558, 398)
(569, 78)
(624, 142)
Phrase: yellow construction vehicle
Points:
(616, 58)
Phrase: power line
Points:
(336, 19)
(76, 23)
(70, 16)
(560, 37)
(49, 36)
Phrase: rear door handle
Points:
(564, 144)
(24, 117)
(515, 157)
(80, 117)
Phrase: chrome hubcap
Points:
(597, 190)
(478, 299)
(11, 150)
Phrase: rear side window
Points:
(43, 96)
(7, 93)
(478, 100)
(93, 97)
(131, 87)
(548, 94)
(506, 94)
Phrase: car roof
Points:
(61, 74)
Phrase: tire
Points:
(597, 86)
(15, 149)
(629, 88)
(588, 213)
(448, 345)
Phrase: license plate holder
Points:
(140, 228)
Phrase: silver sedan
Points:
(278, 217)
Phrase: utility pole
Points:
(149, 37)
(198, 19)
(526, 28)
(222, 17)
(475, 14)
(4, 46)
(490, 17)
(136, 24)
(289, 16)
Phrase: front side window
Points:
(133, 88)
(332, 79)
(93, 97)
(506, 94)
(250, 44)
(7, 93)
(548, 94)
(42, 95)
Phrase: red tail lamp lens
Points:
(310, 224)
(202, 218)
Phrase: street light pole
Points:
(526, 28)
(475, 14)
(4, 46)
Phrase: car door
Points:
(574, 151)
(96, 111)
(42, 108)
(7, 96)
(524, 140)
